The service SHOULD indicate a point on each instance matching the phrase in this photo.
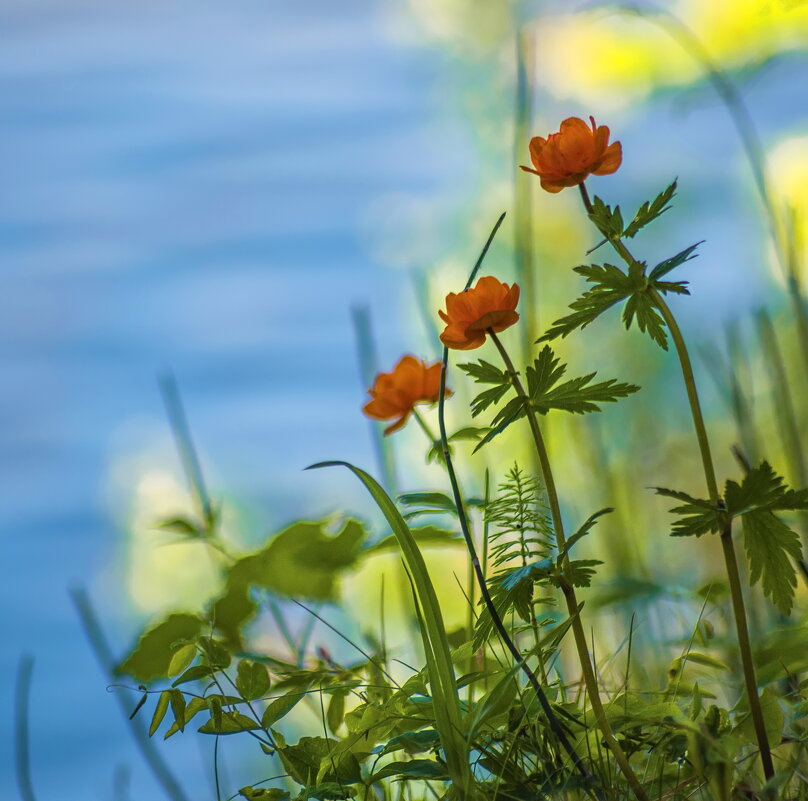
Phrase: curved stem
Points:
(567, 588)
(727, 545)
(552, 718)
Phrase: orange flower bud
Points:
(566, 158)
(394, 395)
(490, 304)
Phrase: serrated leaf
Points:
(484, 372)
(697, 516)
(581, 571)
(579, 397)
(487, 398)
(608, 221)
(650, 211)
(252, 680)
(769, 543)
(583, 530)
(762, 488)
(544, 373)
(611, 285)
(159, 711)
(664, 267)
(649, 319)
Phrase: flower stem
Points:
(567, 588)
(425, 427)
(727, 545)
(552, 718)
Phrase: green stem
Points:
(552, 718)
(425, 427)
(567, 588)
(727, 545)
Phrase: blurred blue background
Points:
(209, 188)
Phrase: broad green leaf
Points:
(303, 561)
(336, 710)
(151, 657)
(413, 742)
(310, 762)
(414, 769)
(279, 708)
(494, 703)
(192, 674)
(230, 723)
(252, 680)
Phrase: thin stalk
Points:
(567, 588)
(552, 719)
(22, 698)
(727, 545)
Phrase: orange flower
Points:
(395, 394)
(566, 158)
(490, 304)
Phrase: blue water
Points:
(187, 186)
(184, 186)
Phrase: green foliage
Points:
(152, 657)
(770, 544)
(303, 561)
(650, 210)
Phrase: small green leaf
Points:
(484, 372)
(192, 674)
(194, 707)
(664, 267)
(264, 793)
(336, 710)
(650, 211)
(159, 711)
(177, 700)
(608, 221)
(252, 680)
(697, 516)
(181, 659)
(641, 307)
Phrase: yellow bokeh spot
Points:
(380, 583)
(164, 571)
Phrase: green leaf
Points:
(194, 707)
(230, 723)
(487, 398)
(192, 674)
(649, 320)
(580, 572)
(177, 700)
(769, 543)
(252, 680)
(611, 285)
(664, 267)
(697, 516)
(484, 372)
(336, 710)
(151, 657)
(303, 562)
(609, 223)
(426, 536)
(761, 489)
(279, 708)
(576, 395)
(159, 711)
(413, 742)
(264, 793)
(533, 571)
(584, 529)
(496, 702)
(434, 500)
(181, 659)
(182, 525)
(311, 760)
(650, 211)
(414, 769)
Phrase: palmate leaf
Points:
(484, 372)
(611, 285)
(761, 489)
(650, 211)
(609, 221)
(769, 543)
(697, 516)
(649, 319)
